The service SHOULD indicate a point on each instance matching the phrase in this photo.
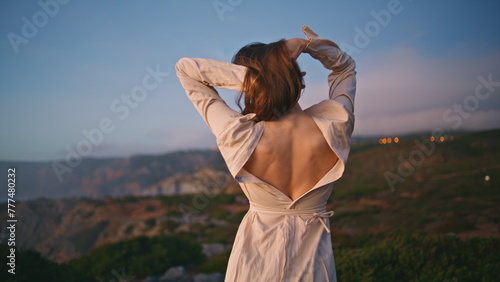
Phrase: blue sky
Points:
(414, 69)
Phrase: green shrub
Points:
(216, 264)
(420, 257)
(139, 257)
(129, 229)
(31, 266)
(129, 199)
(150, 223)
(219, 214)
(237, 217)
(174, 213)
(222, 234)
(224, 199)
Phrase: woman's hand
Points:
(296, 46)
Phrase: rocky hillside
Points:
(452, 189)
(65, 229)
(170, 174)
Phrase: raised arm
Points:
(199, 77)
(342, 79)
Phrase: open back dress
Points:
(279, 239)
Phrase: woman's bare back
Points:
(292, 155)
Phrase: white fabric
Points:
(279, 239)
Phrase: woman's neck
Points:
(292, 114)
(295, 110)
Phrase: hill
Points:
(169, 174)
(448, 188)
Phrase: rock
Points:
(211, 277)
(213, 249)
(175, 274)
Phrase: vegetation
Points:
(419, 257)
(446, 198)
(169, 225)
(139, 257)
(129, 199)
(31, 266)
(390, 256)
(150, 223)
(403, 256)
(173, 213)
(216, 264)
(129, 229)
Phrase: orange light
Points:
(432, 138)
(441, 138)
(384, 141)
(389, 140)
(396, 139)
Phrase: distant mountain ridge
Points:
(169, 174)
(179, 172)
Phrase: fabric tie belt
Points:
(315, 214)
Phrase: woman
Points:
(285, 159)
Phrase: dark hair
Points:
(273, 82)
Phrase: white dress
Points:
(279, 239)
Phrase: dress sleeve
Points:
(199, 77)
(336, 114)
(342, 78)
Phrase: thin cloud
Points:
(402, 91)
